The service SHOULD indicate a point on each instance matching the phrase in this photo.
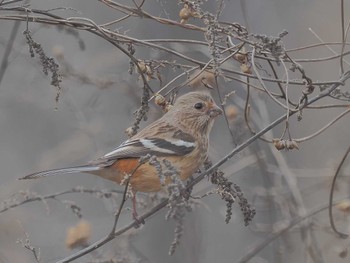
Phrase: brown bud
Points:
(58, 51)
(279, 144)
(130, 132)
(209, 77)
(183, 21)
(159, 100)
(295, 145)
(246, 69)
(231, 112)
(185, 13)
(291, 145)
(342, 252)
(142, 66)
(309, 89)
(148, 70)
(78, 235)
(240, 57)
(168, 107)
(205, 78)
(344, 206)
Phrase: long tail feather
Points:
(68, 170)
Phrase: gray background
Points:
(91, 121)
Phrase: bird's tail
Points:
(68, 170)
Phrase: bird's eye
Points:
(198, 105)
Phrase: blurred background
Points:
(96, 106)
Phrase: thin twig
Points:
(323, 128)
(330, 205)
(342, 36)
(9, 47)
(126, 188)
(247, 112)
(329, 48)
(262, 82)
(285, 228)
(9, 204)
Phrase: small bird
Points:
(181, 136)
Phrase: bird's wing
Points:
(153, 146)
(160, 139)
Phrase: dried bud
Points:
(300, 115)
(130, 132)
(279, 144)
(309, 89)
(159, 100)
(145, 69)
(231, 112)
(291, 145)
(342, 252)
(185, 13)
(78, 235)
(344, 206)
(148, 70)
(168, 107)
(205, 78)
(125, 180)
(208, 78)
(242, 58)
(58, 52)
(295, 145)
(142, 67)
(246, 69)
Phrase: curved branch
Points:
(323, 128)
(271, 237)
(330, 205)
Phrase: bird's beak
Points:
(214, 110)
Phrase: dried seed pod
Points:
(241, 57)
(78, 235)
(246, 69)
(148, 70)
(167, 107)
(291, 145)
(142, 67)
(279, 144)
(342, 252)
(185, 13)
(288, 145)
(231, 112)
(308, 90)
(300, 115)
(159, 100)
(58, 51)
(205, 78)
(344, 206)
(130, 132)
(208, 77)
(295, 145)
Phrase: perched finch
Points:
(180, 136)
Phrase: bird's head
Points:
(196, 110)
